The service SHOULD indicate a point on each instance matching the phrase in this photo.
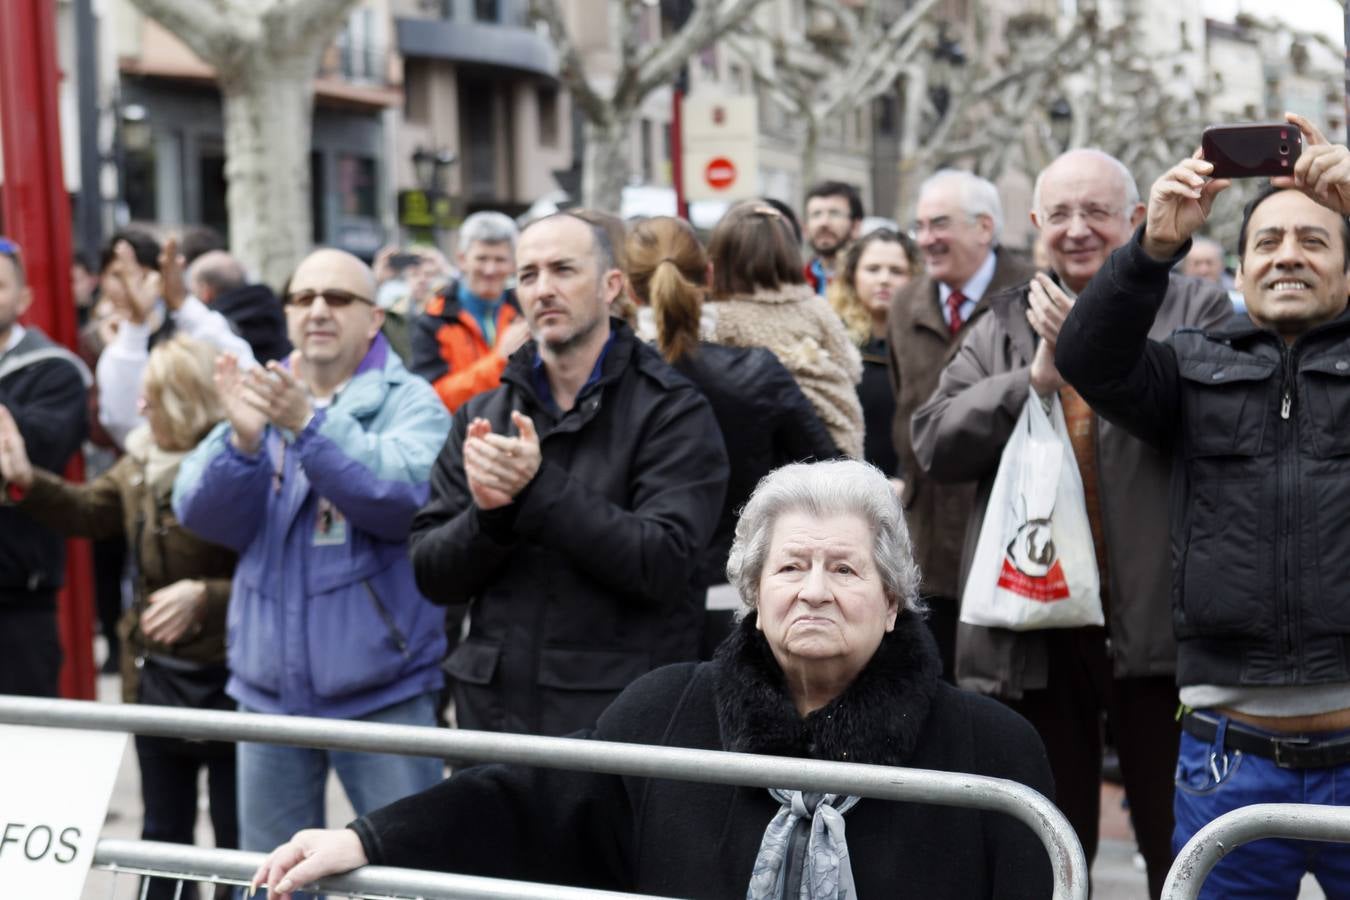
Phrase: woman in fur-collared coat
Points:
(832, 662)
(761, 299)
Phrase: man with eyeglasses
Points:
(42, 385)
(314, 480)
(1085, 204)
(959, 218)
(834, 217)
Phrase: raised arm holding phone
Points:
(1256, 413)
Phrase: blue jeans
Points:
(1211, 782)
(281, 789)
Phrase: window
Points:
(417, 74)
(546, 98)
(356, 185)
(487, 10)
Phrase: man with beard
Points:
(834, 214)
(42, 386)
(570, 504)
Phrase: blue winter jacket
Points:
(325, 618)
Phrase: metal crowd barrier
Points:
(185, 863)
(1067, 860)
(1299, 821)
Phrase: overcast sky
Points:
(1326, 16)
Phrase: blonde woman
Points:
(876, 267)
(173, 636)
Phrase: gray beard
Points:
(575, 339)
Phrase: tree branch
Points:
(711, 19)
(570, 70)
(207, 28)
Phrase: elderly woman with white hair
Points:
(830, 662)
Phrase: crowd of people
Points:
(607, 478)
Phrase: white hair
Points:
(836, 487)
(1129, 187)
(487, 228)
(979, 197)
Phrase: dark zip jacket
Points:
(1260, 500)
(587, 581)
(766, 422)
(43, 386)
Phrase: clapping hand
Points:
(15, 467)
(277, 394)
(246, 421)
(1049, 307)
(172, 284)
(499, 467)
(140, 286)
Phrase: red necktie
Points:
(954, 301)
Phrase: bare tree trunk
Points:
(268, 107)
(605, 165)
(810, 153)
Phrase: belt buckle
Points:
(1284, 746)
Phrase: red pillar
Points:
(677, 148)
(37, 215)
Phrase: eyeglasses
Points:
(1096, 215)
(336, 298)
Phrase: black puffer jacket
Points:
(766, 422)
(1260, 434)
(586, 582)
(682, 839)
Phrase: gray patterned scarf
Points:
(823, 871)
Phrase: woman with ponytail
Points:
(765, 418)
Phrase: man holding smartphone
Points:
(1256, 413)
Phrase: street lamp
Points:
(430, 167)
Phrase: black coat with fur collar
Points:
(682, 839)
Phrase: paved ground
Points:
(1118, 873)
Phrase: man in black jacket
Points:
(575, 541)
(1256, 413)
(42, 387)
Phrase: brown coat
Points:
(810, 341)
(960, 433)
(120, 502)
(920, 346)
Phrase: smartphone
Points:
(400, 261)
(1249, 151)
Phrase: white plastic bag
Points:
(1034, 564)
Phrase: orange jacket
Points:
(450, 351)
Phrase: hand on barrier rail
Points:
(312, 854)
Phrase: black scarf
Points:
(877, 719)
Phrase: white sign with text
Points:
(721, 147)
(55, 785)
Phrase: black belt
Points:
(1288, 751)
